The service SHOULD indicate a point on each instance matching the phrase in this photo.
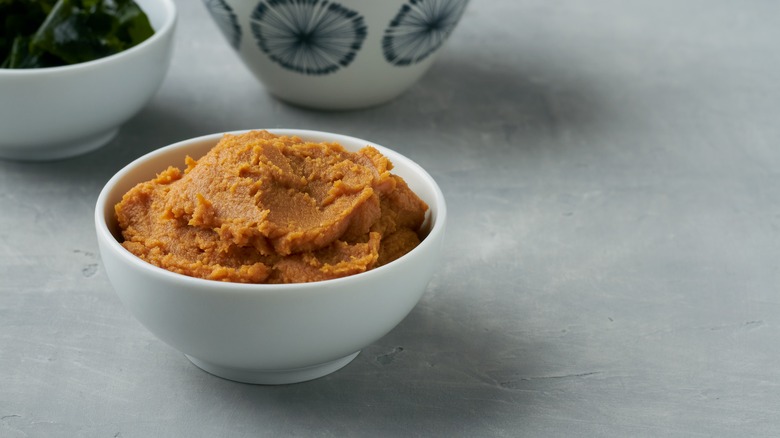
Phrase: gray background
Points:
(613, 250)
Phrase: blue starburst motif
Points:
(226, 20)
(419, 29)
(313, 37)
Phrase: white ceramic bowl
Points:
(342, 54)
(60, 112)
(270, 334)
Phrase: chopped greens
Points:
(49, 33)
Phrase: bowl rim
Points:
(104, 233)
(166, 28)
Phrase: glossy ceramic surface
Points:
(268, 333)
(342, 54)
(60, 112)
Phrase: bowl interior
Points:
(148, 166)
(162, 17)
(159, 12)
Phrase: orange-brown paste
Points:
(260, 208)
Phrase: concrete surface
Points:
(613, 260)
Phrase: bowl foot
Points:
(58, 150)
(273, 377)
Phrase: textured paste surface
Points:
(260, 208)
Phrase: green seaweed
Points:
(45, 33)
(19, 19)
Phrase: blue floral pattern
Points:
(419, 29)
(226, 20)
(312, 37)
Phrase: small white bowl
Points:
(60, 112)
(342, 54)
(261, 333)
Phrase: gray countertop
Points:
(613, 250)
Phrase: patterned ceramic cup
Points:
(341, 54)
